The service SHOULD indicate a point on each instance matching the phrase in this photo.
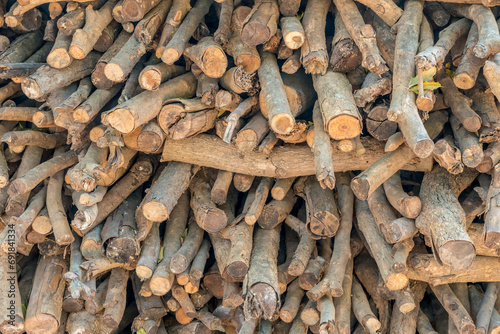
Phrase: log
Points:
(366, 182)
(403, 109)
(379, 249)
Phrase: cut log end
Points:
(261, 301)
(143, 272)
(325, 225)
(282, 123)
(114, 72)
(155, 211)
(160, 285)
(424, 148)
(472, 124)
(344, 127)
(411, 207)
(294, 39)
(76, 52)
(255, 33)
(150, 80)
(464, 81)
(215, 62)
(59, 58)
(134, 10)
(42, 323)
(31, 88)
(472, 156)
(361, 188)
(237, 270)
(149, 141)
(425, 104)
(121, 120)
(170, 56)
(457, 254)
(397, 281)
(214, 221)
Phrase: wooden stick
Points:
(379, 249)
(366, 182)
(221, 35)
(322, 214)
(243, 54)
(163, 279)
(434, 56)
(56, 210)
(186, 253)
(208, 216)
(115, 303)
(175, 47)
(59, 56)
(31, 179)
(261, 23)
(333, 281)
(31, 158)
(123, 62)
(138, 174)
(393, 229)
(207, 150)
(280, 117)
(323, 152)
(403, 109)
(361, 308)
(459, 104)
(46, 79)
(158, 204)
(424, 267)
(174, 18)
(491, 222)
(152, 76)
(95, 22)
(408, 206)
(260, 283)
(447, 234)
(457, 312)
(484, 103)
(127, 116)
(314, 56)
(489, 38)
(472, 151)
(44, 309)
(340, 115)
(468, 69)
(364, 36)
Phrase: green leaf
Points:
(450, 73)
(23, 307)
(309, 124)
(141, 331)
(161, 255)
(427, 76)
(221, 112)
(299, 16)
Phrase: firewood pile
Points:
(270, 166)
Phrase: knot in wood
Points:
(367, 31)
(380, 9)
(418, 262)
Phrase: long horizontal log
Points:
(283, 162)
(424, 267)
